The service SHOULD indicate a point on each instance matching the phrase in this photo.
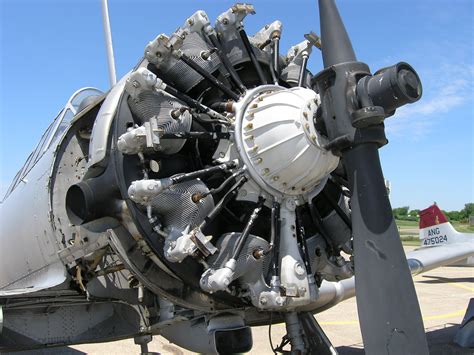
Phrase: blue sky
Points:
(51, 48)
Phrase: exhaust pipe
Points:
(93, 198)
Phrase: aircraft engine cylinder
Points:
(176, 207)
(169, 114)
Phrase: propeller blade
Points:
(387, 304)
(390, 317)
(337, 47)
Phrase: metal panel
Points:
(100, 131)
(82, 323)
(28, 248)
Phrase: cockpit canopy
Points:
(78, 101)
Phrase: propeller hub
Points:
(277, 140)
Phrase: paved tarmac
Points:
(443, 294)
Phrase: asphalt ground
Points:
(443, 294)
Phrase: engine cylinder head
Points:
(163, 107)
(177, 208)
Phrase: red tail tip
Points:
(431, 216)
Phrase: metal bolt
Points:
(196, 197)
(299, 270)
(306, 126)
(263, 301)
(249, 125)
(205, 54)
(305, 115)
(190, 21)
(254, 105)
(260, 98)
(275, 178)
(259, 161)
(266, 171)
(221, 154)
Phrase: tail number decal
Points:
(435, 240)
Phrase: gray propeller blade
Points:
(390, 317)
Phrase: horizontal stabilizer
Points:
(425, 259)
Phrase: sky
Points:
(51, 48)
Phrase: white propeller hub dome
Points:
(277, 140)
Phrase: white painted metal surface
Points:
(278, 142)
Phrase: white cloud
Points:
(446, 88)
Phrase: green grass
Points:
(463, 228)
(406, 232)
(412, 224)
(413, 243)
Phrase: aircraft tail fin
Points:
(435, 229)
(431, 216)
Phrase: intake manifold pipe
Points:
(93, 198)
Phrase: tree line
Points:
(404, 213)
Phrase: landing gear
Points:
(143, 341)
(305, 336)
